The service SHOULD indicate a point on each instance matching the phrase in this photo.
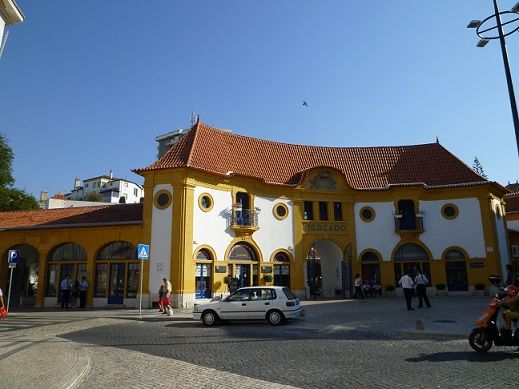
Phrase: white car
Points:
(273, 303)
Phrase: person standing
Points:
(1, 299)
(421, 282)
(358, 287)
(408, 286)
(66, 286)
(161, 297)
(83, 288)
(168, 288)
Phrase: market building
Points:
(223, 210)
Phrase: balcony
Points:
(244, 220)
(410, 224)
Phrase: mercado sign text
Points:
(325, 227)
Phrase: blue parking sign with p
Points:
(13, 256)
(143, 251)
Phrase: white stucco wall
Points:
(210, 228)
(379, 234)
(274, 234)
(513, 225)
(465, 231)
(160, 245)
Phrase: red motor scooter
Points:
(482, 337)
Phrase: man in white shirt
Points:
(66, 285)
(408, 286)
(421, 289)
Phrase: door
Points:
(116, 287)
(456, 276)
(236, 306)
(282, 275)
(65, 269)
(346, 279)
(243, 274)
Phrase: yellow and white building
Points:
(223, 210)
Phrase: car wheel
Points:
(210, 318)
(275, 317)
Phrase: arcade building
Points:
(223, 210)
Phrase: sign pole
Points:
(10, 286)
(140, 298)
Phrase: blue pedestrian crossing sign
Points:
(13, 256)
(143, 251)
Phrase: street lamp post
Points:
(488, 33)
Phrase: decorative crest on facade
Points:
(323, 180)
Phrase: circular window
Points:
(280, 211)
(205, 202)
(162, 199)
(450, 211)
(367, 214)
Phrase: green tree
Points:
(11, 199)
(478, 168)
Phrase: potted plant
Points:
(389, 290)
(441, 289)
(267, 278)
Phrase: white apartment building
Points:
(112, 190)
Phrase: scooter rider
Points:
(512, 303)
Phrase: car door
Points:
(261, 301)
(236, 306)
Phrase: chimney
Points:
(44, 196)
(111, 174)
(77, 183)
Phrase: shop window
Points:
(132, 285)
(101, 280)
(323, 210)
(52, 281)
(118, 250)
(281, 257)
(203, 280)
(203, 255)
(309, 211)
(337, 211)
(454, 254)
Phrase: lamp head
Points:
(475, 23)
(482, 42)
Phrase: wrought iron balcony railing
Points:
(413, 223)
(247, 218)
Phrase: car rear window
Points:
(290, 295)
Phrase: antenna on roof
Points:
(437, 140)
(193, 118)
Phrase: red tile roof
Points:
(365, 168)
(74, 217)
(512, 203)
(514, 188)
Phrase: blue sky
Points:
(85, 87)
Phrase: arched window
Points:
(369, 256)
(68, 252)
(454, 254)
(204, 255)
(118, 250)
(242, 252)
(281, 257)
(409, 258)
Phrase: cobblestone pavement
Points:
(370, 344)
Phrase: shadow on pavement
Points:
(470, 356)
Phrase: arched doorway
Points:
(370, 267)
(66, 259)
(410, 257)
(25, 277)
(324, 265)
(282, 269)
(117, 273)
(456, 270)
(243, 265)
(203, 276)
